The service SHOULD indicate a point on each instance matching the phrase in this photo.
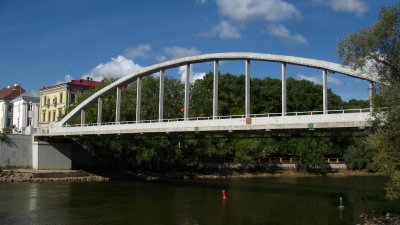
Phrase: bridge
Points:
(325, 119)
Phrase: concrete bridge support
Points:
(325, 91)
(283, 89)
(118, 106)
(51, 155)
(99, 110)
(215, 90)
(138, 98)
(187, 93)
(247, 89)
(161, 97)
(60, 154)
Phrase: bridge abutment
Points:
(51, 155)
(60, 154)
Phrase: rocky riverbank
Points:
(380, 219)
(28, 175)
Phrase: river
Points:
(275, 200)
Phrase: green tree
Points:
(376, 49)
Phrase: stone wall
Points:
(16, 151)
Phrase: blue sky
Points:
(43, 41)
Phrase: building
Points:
(54, 100)
(26, 112)
(6, 110)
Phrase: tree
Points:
(376, 49)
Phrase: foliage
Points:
(393, 186)
(358, 155)
(376, 49)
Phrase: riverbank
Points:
(29, 175)
(228, 174)
(380, 219)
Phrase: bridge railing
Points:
(242, 117)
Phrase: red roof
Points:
(84, 82)
(88, 82)
(11, 92)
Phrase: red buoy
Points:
(223, 194)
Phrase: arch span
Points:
(306, 62)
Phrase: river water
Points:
(289, 200)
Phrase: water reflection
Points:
(257, 201)
(33, 196)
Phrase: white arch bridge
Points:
(330, 119)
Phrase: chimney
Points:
(15, 85)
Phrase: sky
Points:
(46, 42)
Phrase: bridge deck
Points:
(209, 124)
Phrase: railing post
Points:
(118, 105)
(215, 90)
(83, 117)
(283, 89)
(187, 93)
(99, 110)
(325, 91)
(161, 97)
(371, 93)
(138, 97)
(247, 88)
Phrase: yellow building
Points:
(55, 99)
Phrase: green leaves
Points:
(376, 49)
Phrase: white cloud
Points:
(142, 51)
(193, 76)
(115, 68)
(318, 79)
(224, 30)
(280, 31)
(246, 10)
(359, 7)
(175, 52)
(67, 78)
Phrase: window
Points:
(10, 108)
(61, 97)
(30, 107)
(29, 122)
(72, 98)
(55, 101)
(48, 116)
(59, 112)
(44, 100)
(54, 115)
(43, 116)
(48, 102)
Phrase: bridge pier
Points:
(99, 110)
(247, 88)
(83, 117)
(283, 89)
(59, 154)
(118, 106)
(161, 97)
(187, 93)
(51, 155)
(138, 97)
(325, 91)
(215, 90)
